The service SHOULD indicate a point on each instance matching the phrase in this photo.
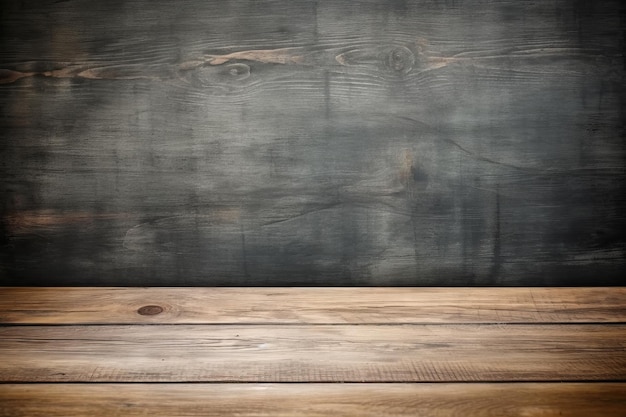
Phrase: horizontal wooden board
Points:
(72, 305)
(297, 142)
(314, 400)
(313, 353)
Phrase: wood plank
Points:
(313, 353)
(71, 305)
(314, 400)
(297, 142)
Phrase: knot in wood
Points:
(238, 71)
(220, 77)
(401, 59)
(150, 310)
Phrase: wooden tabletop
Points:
(313, 351)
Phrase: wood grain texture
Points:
(314, 400)
(281, 142)
(152, 368)
(313, 353)
(71, 305)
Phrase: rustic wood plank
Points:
(72, 305)
(314, 400)
(313, 353)
(290, 142)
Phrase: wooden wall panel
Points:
(312, 142)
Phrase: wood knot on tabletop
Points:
(150, 310)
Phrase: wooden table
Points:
(313, 351)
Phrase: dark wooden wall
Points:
(426, 142)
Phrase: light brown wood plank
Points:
(313, 353)
(311, 305)
(314, 400)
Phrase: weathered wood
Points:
(313, 353)
(108, 363)
(71, 305)
(314, 400)
(291, 142)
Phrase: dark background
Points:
(312, 142)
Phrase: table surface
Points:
(313, 351)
